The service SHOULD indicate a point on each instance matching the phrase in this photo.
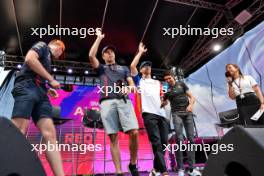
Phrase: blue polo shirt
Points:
(45, 59)
(111, 76)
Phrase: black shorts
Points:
(30, 101)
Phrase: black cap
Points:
(112, 47)
(145, 63)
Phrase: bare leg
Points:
(114, 146)
(21, 124)
(133, 146)
(48, 132)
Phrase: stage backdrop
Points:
(73, 133)
(248, 53)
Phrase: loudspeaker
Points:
(229, 118)
(247, 157)
(16, 157)
(92, 119)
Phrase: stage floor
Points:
(141, 174)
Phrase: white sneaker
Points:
(195, 172)
(154, 173)
(181, 172)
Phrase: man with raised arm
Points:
(117, 111)
(153, 115)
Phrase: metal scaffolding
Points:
(200, 4)
(202, 51)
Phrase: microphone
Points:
(229, 77)
(227, 74)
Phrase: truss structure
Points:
(201, 51)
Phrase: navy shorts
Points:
(30, 101)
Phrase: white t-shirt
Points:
(245, 84)
(150, 91)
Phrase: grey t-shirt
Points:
(177, 96)
(113, 75)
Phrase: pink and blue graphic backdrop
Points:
(72, 106)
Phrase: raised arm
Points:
(231, 92)
(93, 51)
(141, 50)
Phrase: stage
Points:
(187, 65)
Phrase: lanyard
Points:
(239, 85)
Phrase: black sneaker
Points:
(133, 170)
(120, 174)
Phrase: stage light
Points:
(69, 70)
(19, 66)
(154, 77)
(217, 47)
(86, 72)
(243, 17)
(54, 69)
(2, 58)
(174, 69)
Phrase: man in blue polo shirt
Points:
(31, 100)
(117, 111)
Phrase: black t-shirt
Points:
(45, 59)
(112, 75)
(177, 96)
